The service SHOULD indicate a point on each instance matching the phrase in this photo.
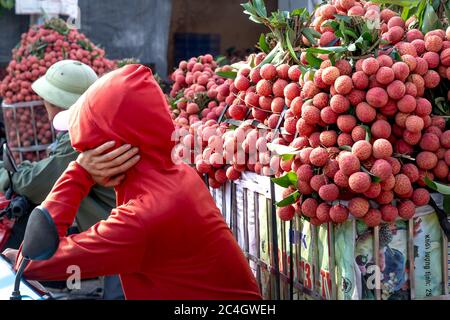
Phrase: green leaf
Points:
(447, 204)
(340, 17)
(436, 186)
(263, 44)
(7, 4)
(327, 50)
(300, 12)
(260, 8)
(350, 33)
(291, 199)
(287, 157)
(313, 61)
(402, 3)
(346, 148)
(249, 8)
(368, 132)
(227, 74)
(430, 20)
(395, 55)
(289, 45)
(405, 13)
(281, 150)
(311, 35)
(289, 179)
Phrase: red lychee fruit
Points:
(328, 138)
(339, 213)
(241, 83)
(320, 100)
(385, 197)
(339, 103)
(382, 169)
(330, 74)
(305, 172)
(389, 213)
(423, 107)
(420, 197)
(373, 218)
(340, 179)
(430, 142)
(406, 209)
(407, 104)
(433, 43)
(441, 170)
(358, 133)
(402, 184)
(370, 66)
(343, 85)
(323, 212)
(294, 73)
(365, 113)
(395, 34)
(432, 59)
(426, 160)
(278, 87)
(277, 105)
(374, 190)
(317, 182)
(346, 123)
(310, 114)
(309, 207)
(291, 91)
(286, 213)
(396, 90)
(329, 192)
(268, 71)
(385, 61)
(233, 174)
(382, 149)
(264, 88)
(432, 79)
(388, 184)
(327, 39)
(237, 112)
(319, 157)
(359, 182)
(309, 90)
(345, 139)
(359, 207)
(377, 97)
(411, 171)
(360, 80)
(328, 116)
(385, 75)
(414, 124)
(362, 150)
(381, 129)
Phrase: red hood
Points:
(126, 106)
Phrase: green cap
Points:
(64, 83)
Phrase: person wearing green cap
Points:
(63, 84)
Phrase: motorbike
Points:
(15, 209)
(15, 212)
(40, 243)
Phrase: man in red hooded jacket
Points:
(166, 238)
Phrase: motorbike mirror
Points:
(8, 159)
(41, 237)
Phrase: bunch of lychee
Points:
(366, 130)
(200, 94)
(39, 48)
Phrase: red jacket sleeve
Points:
(116, 245)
